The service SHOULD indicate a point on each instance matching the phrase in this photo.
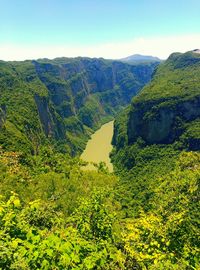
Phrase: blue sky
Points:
(80, 26)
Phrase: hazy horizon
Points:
(110, 29)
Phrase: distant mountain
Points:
(138, 58)
(196, 51)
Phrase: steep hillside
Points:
(62, 100)
(164, 115)
(167, 107)
(156, 144)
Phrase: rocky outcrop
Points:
(162, 111)
(91, 88)
(2, 115)
(163, 123)
(51, 126)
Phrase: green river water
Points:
(99, 147)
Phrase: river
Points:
(99, 147)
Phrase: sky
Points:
(31, 29)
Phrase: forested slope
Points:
(156, 155)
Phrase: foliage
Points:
(167, 236)
(52, 177)
(31, 239)
(38, 234)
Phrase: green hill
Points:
(153, 140)
(168, 106)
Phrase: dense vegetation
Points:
(54, 215)
(151, 138)
(64, 218)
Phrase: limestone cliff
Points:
(163, 110)
(61, 101)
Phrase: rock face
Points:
(71, 82)
(161, 125)
(165, 108)
(60, 100)
(50, 125)
(2, 116)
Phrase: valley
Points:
(137, 210)
(61, 102)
